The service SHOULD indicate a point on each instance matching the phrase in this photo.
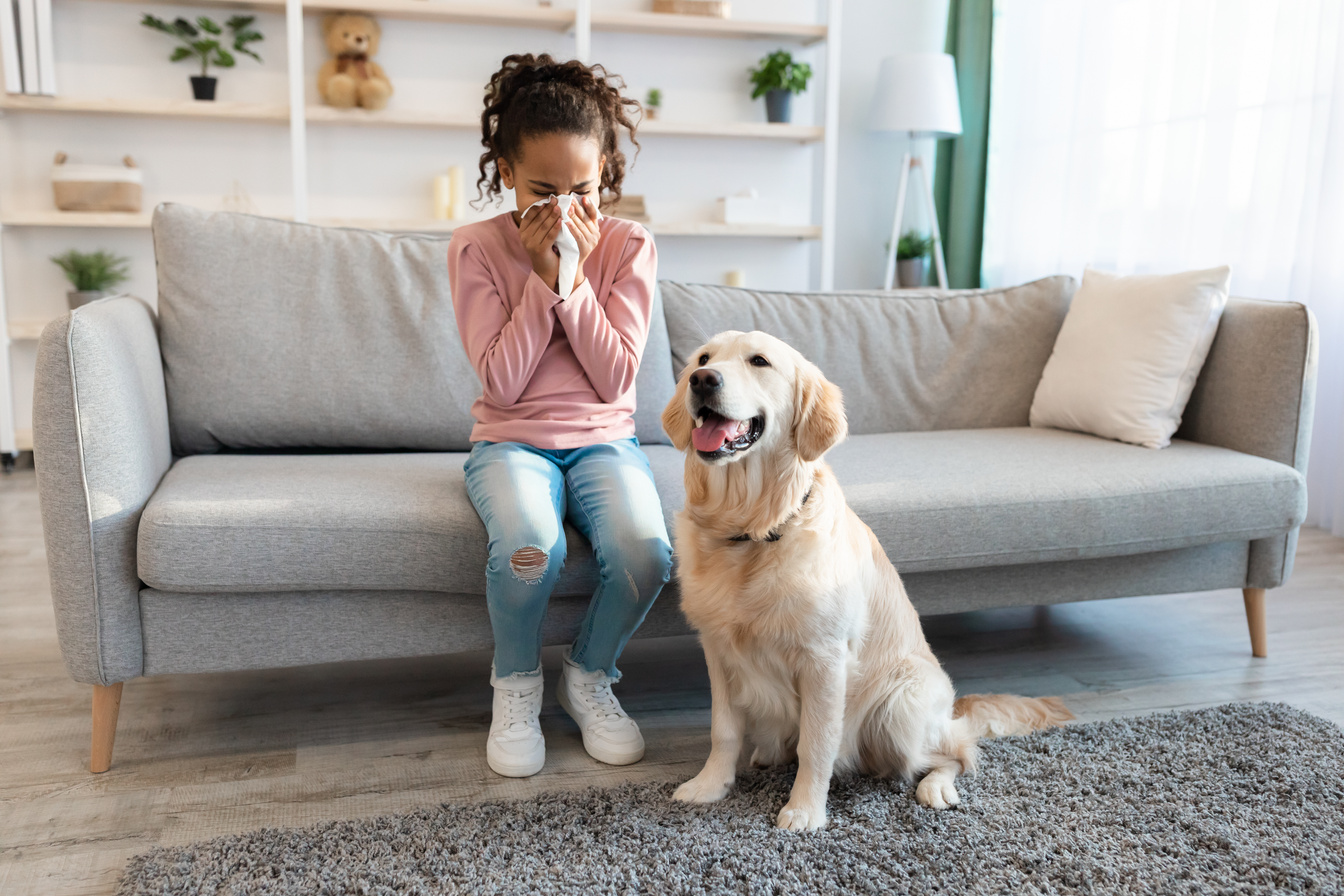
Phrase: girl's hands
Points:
(583, 224)
(541, 227)
(538, 232)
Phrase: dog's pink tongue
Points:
(711, 436)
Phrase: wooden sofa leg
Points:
(1255, 619)
(106, 703)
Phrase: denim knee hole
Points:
(528, 564)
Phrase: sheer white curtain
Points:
(1151, 136)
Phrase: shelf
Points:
(323, 115)
(392, 117)
(446, 11)
(747, 130)
(157, 108)
(53, 218)
(26, 329)
(277, 6)
(753, 130)
(415, 225)
(705, 26)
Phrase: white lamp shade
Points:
(917, 92)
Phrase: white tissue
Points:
(565, 242)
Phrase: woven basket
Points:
(718, 9)
(96, 188)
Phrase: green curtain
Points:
(959, 182)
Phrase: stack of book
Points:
(26, 47)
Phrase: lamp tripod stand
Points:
(909, 163)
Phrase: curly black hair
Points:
(532, 95)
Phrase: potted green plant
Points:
(202, 41)
(777, 77)
(911, 250)
(653, 101)
(92, 274)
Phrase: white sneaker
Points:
(515, 748)
(609, 735)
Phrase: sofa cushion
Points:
(282, 335)
(937, 500)
(1129, 352)
(906, 361)
(272, 522)
(994, 497)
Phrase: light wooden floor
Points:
(206, 755)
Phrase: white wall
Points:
(385, 172)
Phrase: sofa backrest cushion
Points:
(283, 335)
(906, 361)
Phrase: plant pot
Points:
(203, 88)
(910, 273)
(777, 103)
(650, 113)
(77, 297)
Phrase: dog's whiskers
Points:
(705, 337)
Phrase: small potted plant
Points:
(92, 274)
(911, 250)
(777, 77)
(202, 41)
(653, 101)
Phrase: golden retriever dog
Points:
(814, 650)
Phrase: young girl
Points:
(554, 437)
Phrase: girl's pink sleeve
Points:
(505, 349)
(608, 341)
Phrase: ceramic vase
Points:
(203, 88)
(777, 106)
(910, 273)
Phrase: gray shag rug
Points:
(1243, 798)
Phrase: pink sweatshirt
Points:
(555, 373)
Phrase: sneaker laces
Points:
(599, 700)
(518, 710)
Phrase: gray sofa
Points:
(268, 472)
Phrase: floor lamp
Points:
(916, 93)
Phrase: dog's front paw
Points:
(937, 792)
(702, 789)
(800, 817)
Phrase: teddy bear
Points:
(351, 77)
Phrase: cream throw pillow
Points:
(1127, 356)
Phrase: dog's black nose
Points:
(706, 381)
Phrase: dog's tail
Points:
(997, 715)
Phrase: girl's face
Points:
(551, 165)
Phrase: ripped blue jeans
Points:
(523, 494)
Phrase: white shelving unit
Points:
(416, 118)
(580, 22)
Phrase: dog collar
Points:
(774, 534)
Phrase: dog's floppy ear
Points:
(819, 413)
(677, 422)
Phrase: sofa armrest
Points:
(100, 446)
(1256, 394)
(1257, 388)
